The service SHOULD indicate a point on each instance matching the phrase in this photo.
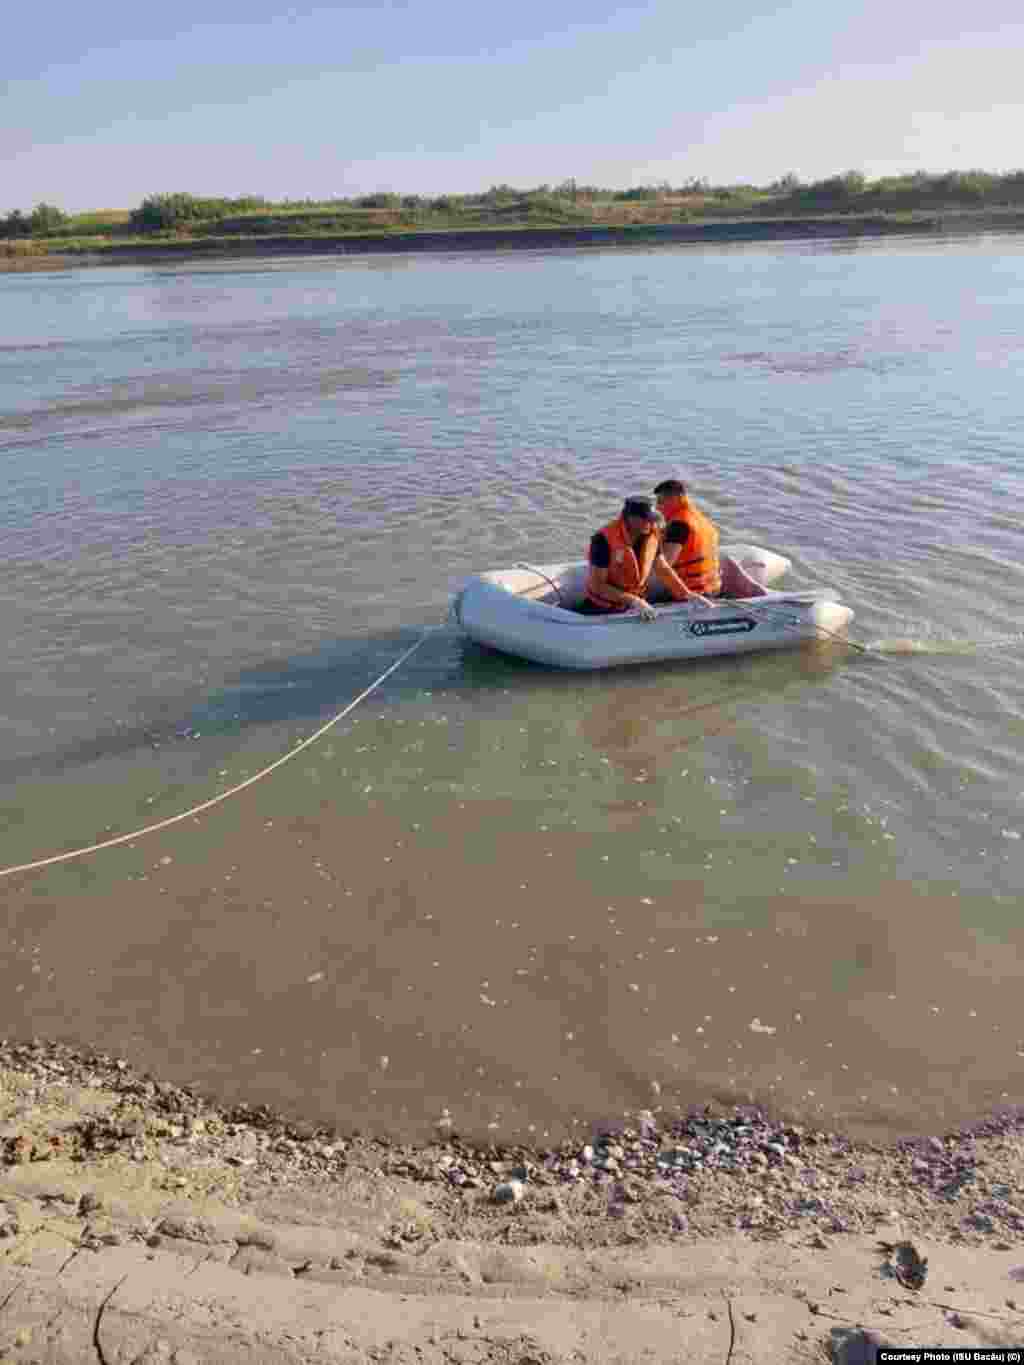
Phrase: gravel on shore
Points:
(716, 1171)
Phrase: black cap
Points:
(640, 507)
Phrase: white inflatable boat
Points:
(530, 611)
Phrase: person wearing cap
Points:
(689, 542)
(623, 555)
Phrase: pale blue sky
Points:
(107, 102)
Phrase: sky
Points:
(106, 103)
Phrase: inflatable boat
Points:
(532, 611)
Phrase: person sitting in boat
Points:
(689, 542)
(623, 556)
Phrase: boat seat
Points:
(737, 583)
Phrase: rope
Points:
(232, 791)
(541, 574)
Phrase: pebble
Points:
(979, 1222)
(676, 1157)
(509, 1192)
(90, 1202)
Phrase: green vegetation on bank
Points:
(177, 219)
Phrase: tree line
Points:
(43, 221)
(565, 201)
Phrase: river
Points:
(534, 900)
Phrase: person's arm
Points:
(671, 580)
(600, 562)
(676, 535)
(628, 599)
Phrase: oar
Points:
(730, 603)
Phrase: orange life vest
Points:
(627, 571)
(698, 564)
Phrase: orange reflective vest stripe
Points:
(627, 571)
(698, 563)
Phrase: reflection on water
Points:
(156, 392)
(939, 646)
(234, 497)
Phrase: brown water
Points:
(545, 899)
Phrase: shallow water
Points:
(235, 495)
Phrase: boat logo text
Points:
(734, 625)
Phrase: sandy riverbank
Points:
(851, 228)
(139, 1222)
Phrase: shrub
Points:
(15, 225)
(639, 193)
(834, 190)
(381, 200)
(162, 211)
(46, 218)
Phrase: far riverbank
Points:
(839, 228)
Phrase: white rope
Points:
(541, 574)
(232, 791)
